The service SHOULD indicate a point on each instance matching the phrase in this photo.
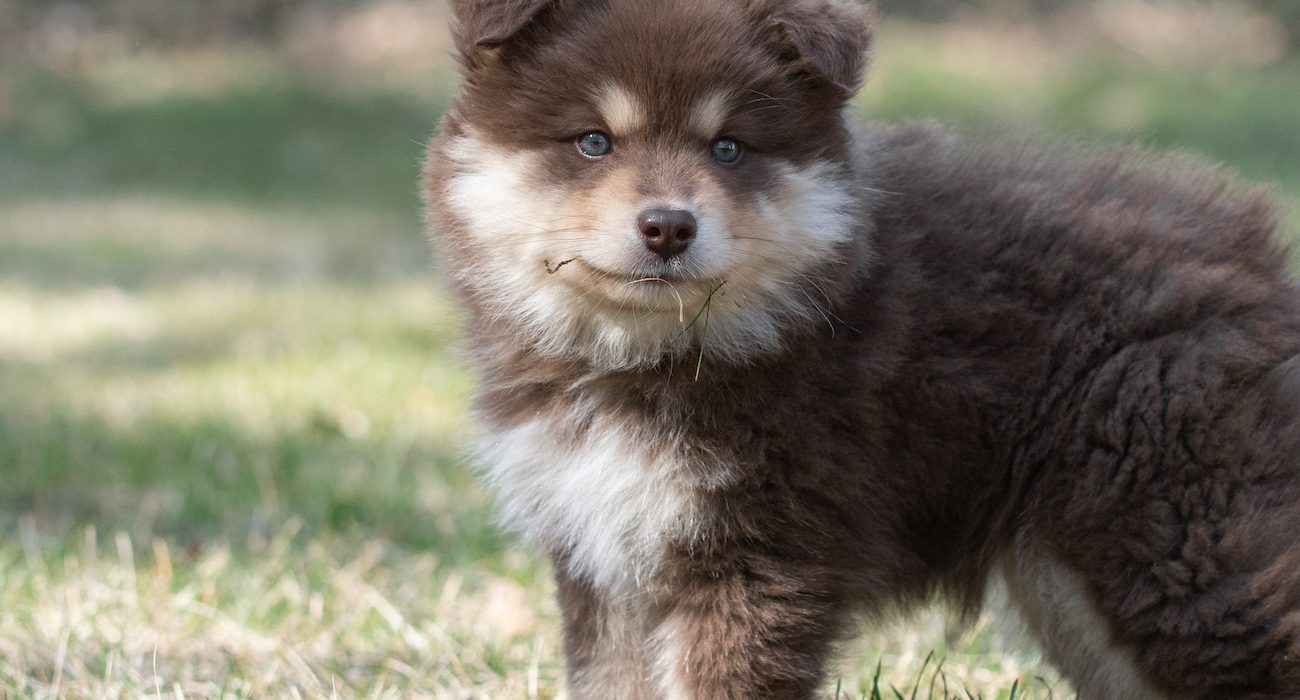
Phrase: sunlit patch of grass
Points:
(137, 241)
(281, 615)
(214, 403)
(184, 368)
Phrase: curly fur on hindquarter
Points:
(891, 365)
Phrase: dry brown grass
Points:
(284, 617)
(315, 617)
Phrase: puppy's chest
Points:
(609, 495)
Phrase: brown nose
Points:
(667, 232)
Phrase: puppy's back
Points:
(1140, 312)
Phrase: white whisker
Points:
(681, 303)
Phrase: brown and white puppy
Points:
(751, 373)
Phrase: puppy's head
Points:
(624, 181)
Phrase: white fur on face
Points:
(621, 111)
(710, 113)
(610, 497)
(1054, 604)
(745, 281)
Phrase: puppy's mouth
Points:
(657, 289)
(592, 271)
(660, 275)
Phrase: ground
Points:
(231, 405)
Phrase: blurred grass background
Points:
(231, 404)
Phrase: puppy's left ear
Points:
(831, 39)
(485, 25)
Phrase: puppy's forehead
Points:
(702, 112)
(667, 63)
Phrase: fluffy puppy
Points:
(751, 373)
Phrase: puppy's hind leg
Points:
(1055, 605)
(1237, 638)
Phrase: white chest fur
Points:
(610, 498)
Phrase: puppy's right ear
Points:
(830, 39)
(483, 26)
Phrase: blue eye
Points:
(726, 150)
(595, 144)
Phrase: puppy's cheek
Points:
(523, 228)
(816, 211)
(713, 252)
(792, 227)
(783, 238)
(492, 189)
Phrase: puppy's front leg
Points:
(604, 643)
(746, 634)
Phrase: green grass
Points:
(1242, 117)
(232, 413)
